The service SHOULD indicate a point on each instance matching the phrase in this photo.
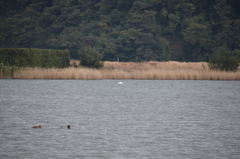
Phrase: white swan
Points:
(120, 82)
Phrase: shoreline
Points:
(151, 70)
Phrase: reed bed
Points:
(171, 65)
(129, 70)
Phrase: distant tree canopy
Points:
(131, 30)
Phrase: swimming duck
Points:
(65, 127)
(37, 126)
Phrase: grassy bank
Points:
(129, 70)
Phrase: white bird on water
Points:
(120, 82)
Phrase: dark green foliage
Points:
(225, 60)
(90, 57)
(34, 58)
(131, 30)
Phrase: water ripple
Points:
(140, 119)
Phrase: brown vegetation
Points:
(129, 70)
(153, 65)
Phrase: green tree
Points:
(125, 41)
(197, 40)
(90, 57)
(107, 46)
(71, 39)
(223, 25)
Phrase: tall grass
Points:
(129, 70)
(171, 65)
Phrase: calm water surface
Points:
(140, 119)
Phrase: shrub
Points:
(90, 57)
(225, 60)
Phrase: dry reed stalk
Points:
(115, 74)
(129, 70)
(82, 73)
(171, 65)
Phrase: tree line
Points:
(131, 30)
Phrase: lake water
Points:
(140, 119)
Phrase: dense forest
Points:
(131, 30)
